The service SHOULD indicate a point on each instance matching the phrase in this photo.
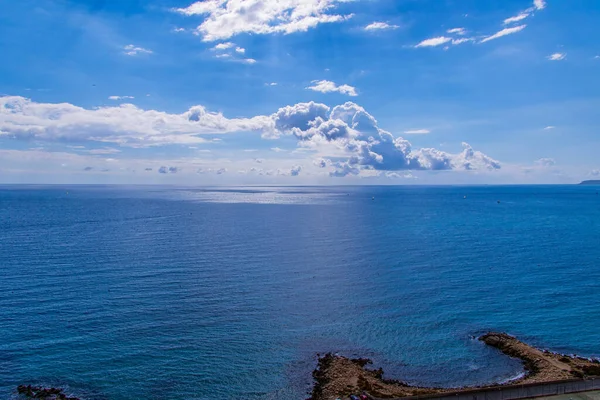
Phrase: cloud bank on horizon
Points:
(347, 134)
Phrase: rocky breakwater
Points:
(341, 377)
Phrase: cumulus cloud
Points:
(223, 46)
(436, 41)
(346, 138)
(378, 26)
(322, 163)
(224, 19)
(354, 135)
(295, 171)
(504, 32)
(557, 57)
(240, 50)
(120, 97)
(132, 50)
(546, 162)
(126, 124)
(325, 86)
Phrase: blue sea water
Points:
(230, 293)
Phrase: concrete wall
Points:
(519, 391)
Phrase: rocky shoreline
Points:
(338, 377)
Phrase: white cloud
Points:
(417, 132)
(539, 4)
(179, 30)
(223, 55)
(271, 84)
(546, 162)
(458, 31)
(349, 132)
(120, 97)
(249, 61)
(223, 46)
(461, 40)
(224, 19)
(377, 26)
(240, 50)
(549, 127)
(557, 57)
(504, 32)
(325, 86)
(126, 124)
(437, 41)
(516, 18)
(346, 137)
(132, 50)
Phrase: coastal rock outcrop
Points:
(341, 377)
(38, 392)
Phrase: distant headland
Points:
(591, 182)
(338, 377)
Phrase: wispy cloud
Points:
(549, 127)
(120, 97)
(417, 132)
(458, 31)
(437, 41)
(516, 18)
(378, 26)
(504, 32)
(557, 57)
(325, 86)
(132, 50)
(271, 84)
(539, 4)
(546, 162)
(461, 40)
(249, 61)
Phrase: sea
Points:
(160, 292)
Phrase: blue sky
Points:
(299, 91)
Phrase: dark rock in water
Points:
(38, 392)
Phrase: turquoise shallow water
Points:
(180, 293)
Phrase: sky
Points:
(242, 92)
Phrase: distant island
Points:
(592, 182)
